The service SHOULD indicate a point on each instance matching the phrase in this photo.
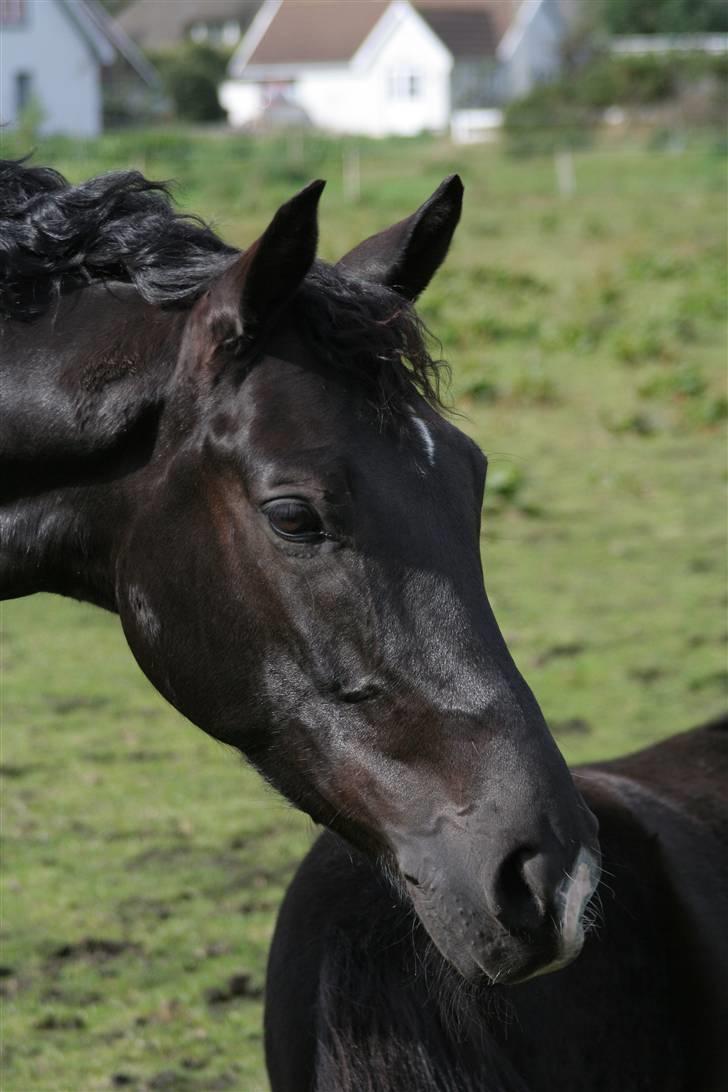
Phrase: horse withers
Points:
(242, 454)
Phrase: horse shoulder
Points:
(673, 796)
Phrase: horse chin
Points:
(535, 965)
(509, 961)
(490, 953)
(516, 961)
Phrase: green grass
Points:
(143, 863)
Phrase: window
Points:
(215, 33)
(23, 90)
(404, 83)
(198, 32)
(12, 13)
(231, 32)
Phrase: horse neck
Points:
(83, 391)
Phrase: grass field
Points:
(143, 863)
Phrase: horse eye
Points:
(294, 520)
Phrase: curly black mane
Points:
(120, 226)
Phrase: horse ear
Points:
(262, 280)
(407, 255)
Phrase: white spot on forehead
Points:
(426, 437)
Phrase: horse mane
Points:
(57, 237)
(119, 226)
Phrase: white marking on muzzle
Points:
(572, 897)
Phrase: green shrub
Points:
(628, 81)
(686, 381)
(504, 489)
(533, 386)
(481, 390)
(563, 114)
(191, 76)
(664, 16)
(546, 120)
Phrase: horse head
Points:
(302, 578)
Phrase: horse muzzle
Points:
(532, 922)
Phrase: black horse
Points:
(358, 999)
(242, 454)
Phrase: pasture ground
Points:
(143, 863)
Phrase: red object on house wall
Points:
(12, 12)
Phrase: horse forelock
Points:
(372, 334)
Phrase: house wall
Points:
(65, 76)
(360, 97)
(242, 101)
(367, 103)
(474, 84)
(530, 51)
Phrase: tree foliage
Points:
(191, 75)
(665, 16)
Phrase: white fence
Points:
(639, 45)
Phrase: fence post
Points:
(351, 174)
(565, 176)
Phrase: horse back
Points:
(689, 769)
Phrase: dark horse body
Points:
(359, 1001)
(241, 454)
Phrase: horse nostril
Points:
(519, 903)
(411, 880)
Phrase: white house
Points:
(381, 67)
(55, 54)
(373, 68)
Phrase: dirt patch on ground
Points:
(175, 1080)
(572, 726)
(77, 702)
(237, 986)
(109, 757)
(565, 651)
(136, 907)
(54, 1022)
(93, 949)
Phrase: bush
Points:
(545, 120)
(665, 16)
(627, 81)
(191, 76)
(563, 114)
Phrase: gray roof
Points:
(108, 40)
